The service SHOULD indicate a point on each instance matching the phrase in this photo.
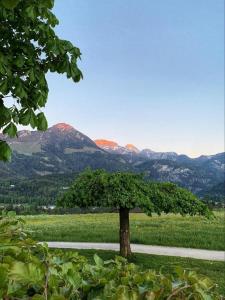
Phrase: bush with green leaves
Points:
(29, 270)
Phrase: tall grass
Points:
(167, 230)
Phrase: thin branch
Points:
(176, 291)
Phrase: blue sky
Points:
(153, 73)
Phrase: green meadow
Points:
(166, 230)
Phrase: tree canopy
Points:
(129, 190)
(29, 48)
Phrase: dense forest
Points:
(39, 190)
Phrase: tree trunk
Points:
(124, 232)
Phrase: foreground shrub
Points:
(29, 270)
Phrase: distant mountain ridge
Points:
(64, 150)
(130, 149)
(115, 148)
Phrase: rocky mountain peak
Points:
(62, 127)
(132, 148)
(106, 144)
(24, 133)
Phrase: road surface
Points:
(147, 249)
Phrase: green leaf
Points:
(26, 273)
(33, 119)
(42, 123)
(99, 262)
(3, 68)
(10, 130)
(46, 3)
(28, 117)
(24, 117)
(19, 61)
(10, 4)
(74, 279)
(32, 75)
(5, 151)
(30, 12)
(4, 86)
(5, 114)
(41, 99)
(20, 88)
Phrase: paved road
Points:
(147, 249)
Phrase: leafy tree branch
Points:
(29, 49)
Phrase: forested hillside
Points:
(45, 163)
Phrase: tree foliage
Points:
(29, 270)
(128, 190)
(29, 48)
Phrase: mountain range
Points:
(64, 150)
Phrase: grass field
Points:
(214, 270)
(167, 230)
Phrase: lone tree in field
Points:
(126, 191)
(29, 49)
